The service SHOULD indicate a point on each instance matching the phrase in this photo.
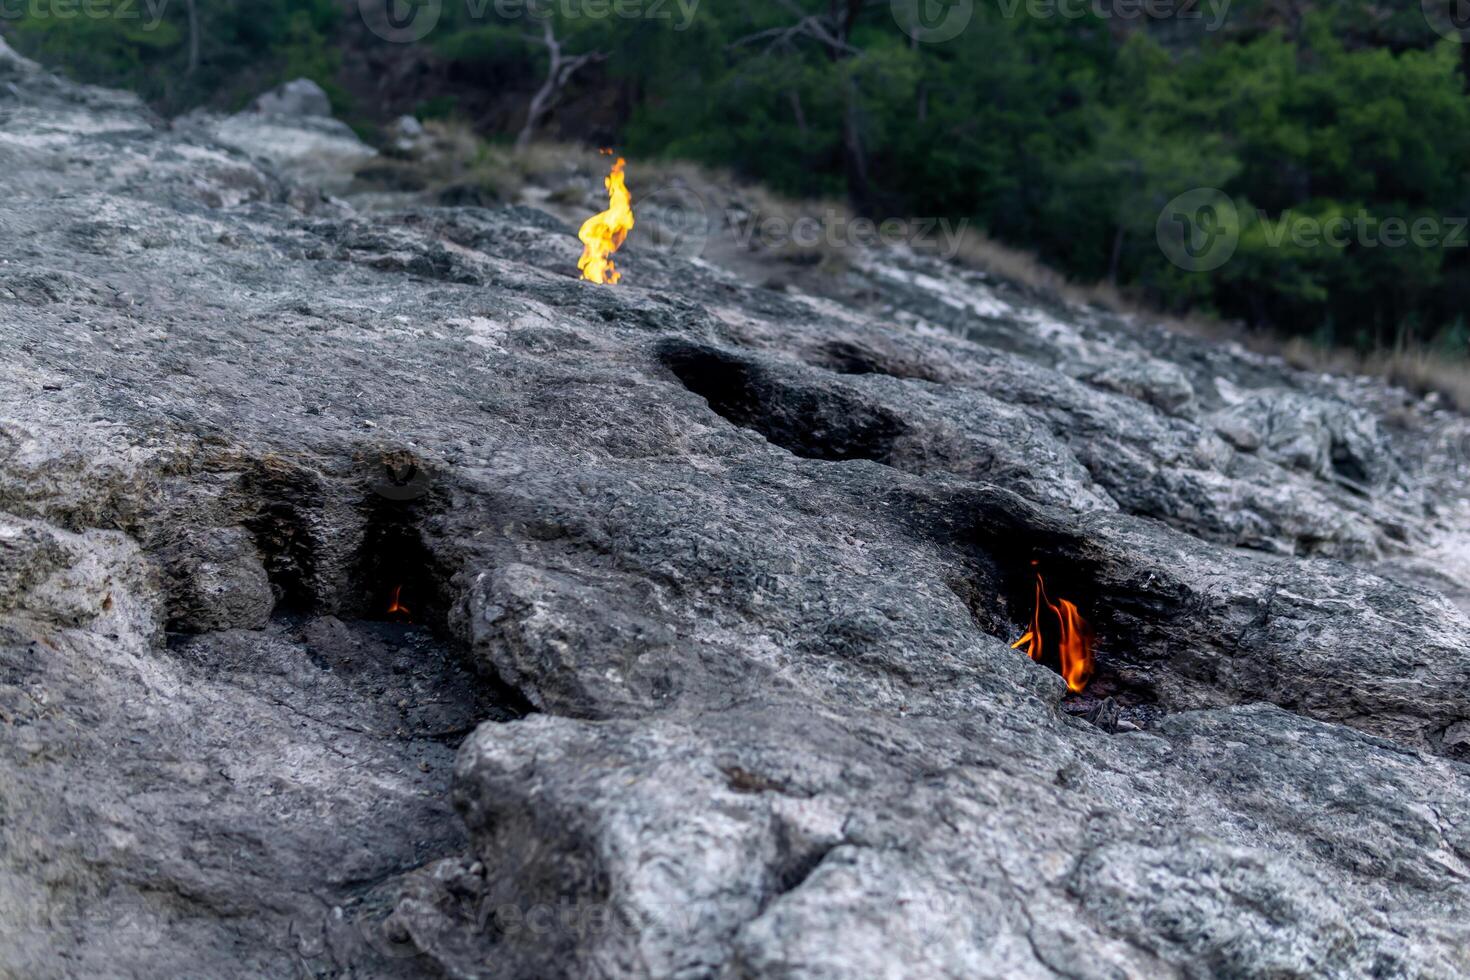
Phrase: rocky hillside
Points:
(377, 599)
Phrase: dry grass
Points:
(1419, 370)
(979, 251)
(450, 165)
(1415, 369)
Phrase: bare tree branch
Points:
(559, 73)
(810, 27)
(831, 31)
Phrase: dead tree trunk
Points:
(559, 73)
(843, 15)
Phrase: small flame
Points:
(396, 608)
(1073, 638)
(603, 234)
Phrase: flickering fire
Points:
(603, 234)
(397, 608)
(1058, 629)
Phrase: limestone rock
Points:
(299, 97)
(290, 129)
(377, 599)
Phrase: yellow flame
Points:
(1073, 643)
(603, 234)
(396, 608)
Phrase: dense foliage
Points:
(179, 53)
(1063, 134)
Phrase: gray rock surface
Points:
(379, 600)
(299, 97)
(291, 131)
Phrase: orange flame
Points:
(603, 234)
(1073, 638)
(396, 608)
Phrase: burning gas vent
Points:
(603, 234)
(1060, 638)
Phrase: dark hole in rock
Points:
(397, 579)
(1121, 697)
(846, 357)
(999, 588)
(395, 695)
(399, 586)
(1052, 620)
(798, 865)
(1350, 466)
(393, 594)
(810, 421)
(1453, 741)
(281, 527)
